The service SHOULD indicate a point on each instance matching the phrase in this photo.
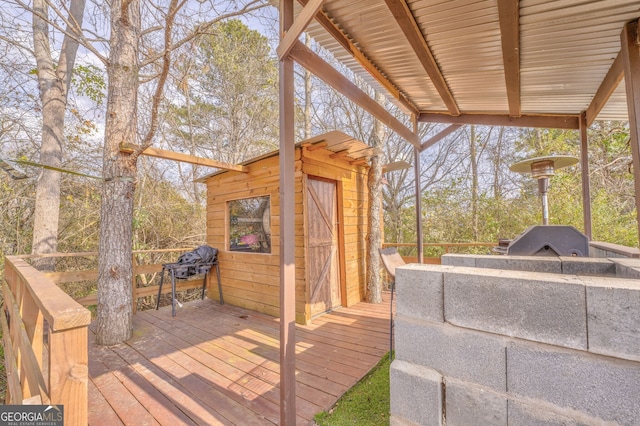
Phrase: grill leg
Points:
(173, 293)
(204, 282)
(217, 265)
(160, 288)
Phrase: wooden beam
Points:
(326, 22)
(317, 146)
(584, 170)
(607, 87)
(543, 121)
(358, 162)
(412, 32)
(509, 13)
(631, 64)
(439, 136)
(300, 24)
(340, 154)
(309, 60)
(184, 158)
(287, 229)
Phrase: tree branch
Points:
(203, 28)
(157, 97)
(78, 37)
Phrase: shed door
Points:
(322, 246)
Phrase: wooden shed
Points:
(243, 222)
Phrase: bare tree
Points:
(115, 269)
(141, 40)
(54, 79)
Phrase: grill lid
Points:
(550, 240)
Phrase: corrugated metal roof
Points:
(566, 49)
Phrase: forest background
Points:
(221, 102)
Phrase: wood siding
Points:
(252, 280)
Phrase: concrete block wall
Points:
(506, 344)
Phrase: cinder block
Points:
(548, 308)
(530, 415)
(467, 405)
(601, 387)
(419, 290)
(465, 355)
(587, 266)
(416, 394)
(613, 312)
(521, 263)
(627, 268)
(468, 260)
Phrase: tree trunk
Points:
(53, 84)
(374, 184)
(115, 269)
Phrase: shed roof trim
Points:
(345, 146)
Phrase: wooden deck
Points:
(214, 364)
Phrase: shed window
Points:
(250, 225)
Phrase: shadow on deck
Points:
(214, 364)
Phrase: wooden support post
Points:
(134, 285)
(416, 169)
(631, 64)
(69, 373)
(287, 230)
(584, 169)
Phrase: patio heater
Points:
(545, 239)
(542, 168)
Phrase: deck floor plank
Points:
(157, 404)
(219, 365)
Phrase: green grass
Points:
(365, 404)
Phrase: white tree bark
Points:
(53, 83)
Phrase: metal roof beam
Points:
(607, 87)
(509, 13)
(542, 121)
(314, 63)
(300, 24)
(412, 32)
(357, 54)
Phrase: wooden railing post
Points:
(40, 321)
(134, 286)
(69, 373)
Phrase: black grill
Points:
(546, 240)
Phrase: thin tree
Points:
(54, 79)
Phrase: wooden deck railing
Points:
(445, 247)
(44, 335)
(45, 331)
(139, 274)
